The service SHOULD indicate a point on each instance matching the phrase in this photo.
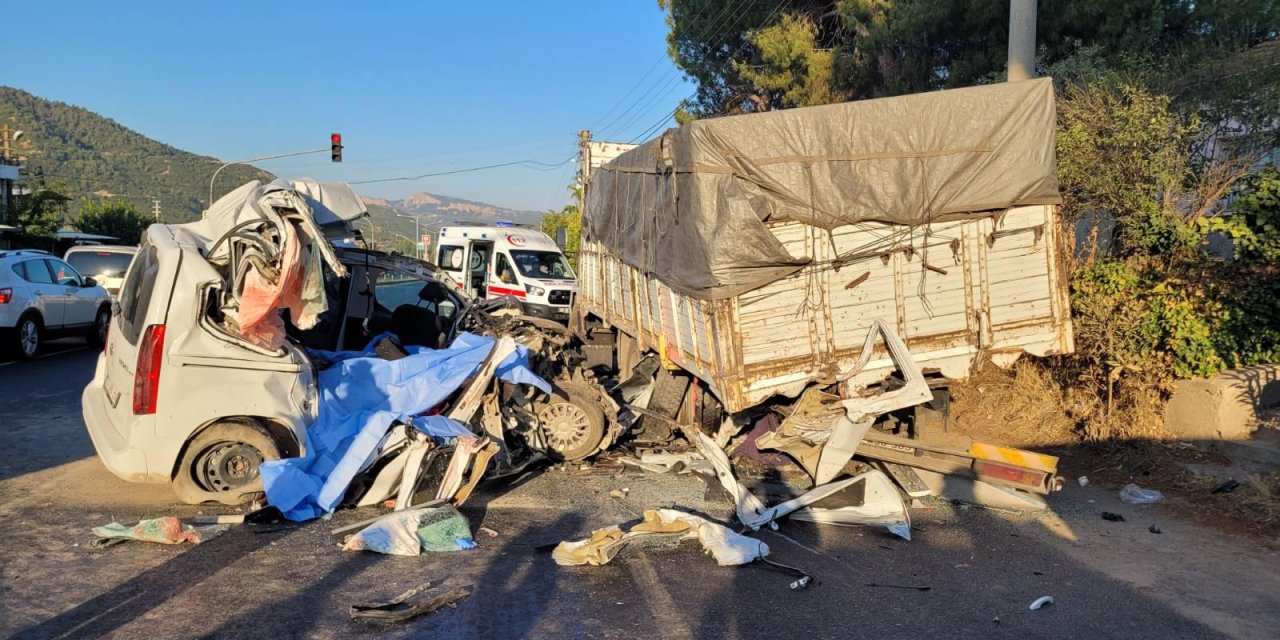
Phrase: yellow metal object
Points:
(1015, 457)
(663, 357)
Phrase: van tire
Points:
(221, 464)
(97, 335)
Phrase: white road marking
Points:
(46, 355)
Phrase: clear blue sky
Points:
(414, 87)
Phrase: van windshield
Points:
(107, 264)
(542, 265)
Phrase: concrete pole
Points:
(1022, 40)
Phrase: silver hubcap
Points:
(566, 426)
(30, 337)
(228, 466)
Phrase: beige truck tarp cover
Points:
(690, 207)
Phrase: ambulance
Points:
(508, 259)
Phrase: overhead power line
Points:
(530, 164)
(671, 114)
(713, 29)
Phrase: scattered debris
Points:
(619, 493)
(640, 464)
(237, 518)
(409, 532)
(969, 491)
(399, 609)
(680, 462)
(801, 583)
(1154, 529)
(487, 531)
(882, 505)
(1226, 487)
(1133, 494)
(361, 403)
(1083, 481)
(909, 587)
(868, 499)
(1112, 517)
(1040, 602)
(727, 547)
(907, 478)
(166, 530)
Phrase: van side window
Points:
(505, 272)
(451, 258)
(135, 293)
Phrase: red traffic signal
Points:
(335, 147)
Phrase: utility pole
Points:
(155, 207)
(584, 157)
(417, 233)
(1022, 40)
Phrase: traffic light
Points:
(335, 147)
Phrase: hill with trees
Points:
(86, 154)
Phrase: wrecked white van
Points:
(204, 377)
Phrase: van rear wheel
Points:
(221, 464)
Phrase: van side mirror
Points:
(88, 282)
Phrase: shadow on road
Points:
(43, 425)
(101, 616)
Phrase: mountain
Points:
(432, 212)
(437, 210)
(92, 155)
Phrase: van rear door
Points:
(147, 284)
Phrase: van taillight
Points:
(6, 294)
(146, 377)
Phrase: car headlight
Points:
(535, 290)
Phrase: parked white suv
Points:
(42, 297)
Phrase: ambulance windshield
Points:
(542, 265)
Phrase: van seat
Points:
(416, 326)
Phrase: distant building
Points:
(8, 225)
(8, 178)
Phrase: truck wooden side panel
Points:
(955, 291)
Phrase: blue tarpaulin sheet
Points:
(361, 396)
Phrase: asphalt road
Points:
(982, 568)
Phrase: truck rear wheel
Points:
(221, 464)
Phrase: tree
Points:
(115, 218)
(715, 41)
(793, 70)
(879, 48)
(568, 218)
(42, 208)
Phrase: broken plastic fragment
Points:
(1041, 601)
(166, 530)
(1133, 494)
(727, 547)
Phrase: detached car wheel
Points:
(27, 338)
(221, 464)
(572, 424)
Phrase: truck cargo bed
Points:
(955, 291)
